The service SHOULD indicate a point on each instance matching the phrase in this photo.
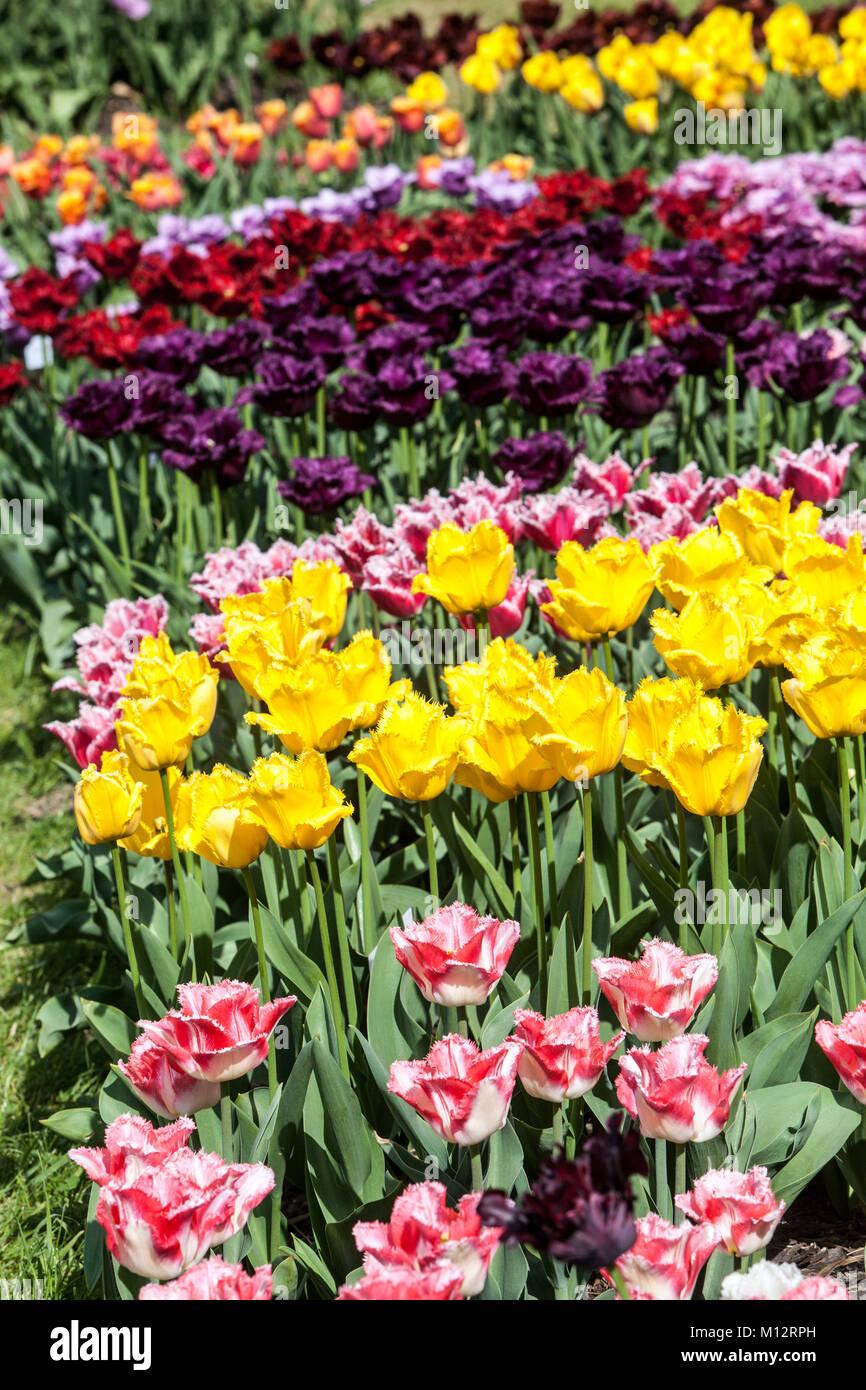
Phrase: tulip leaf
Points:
(114, 1030)
(94, 1241)
(837, 1119)
(427, 1141)
(298, 972)
(775, 1052)
(392, 1032)
(504, 1159)
(58, 1015)
(343, 1155)
(309, 1260)
(800, 976)
(729, 1001)
(78, 1124)
(500, 1022)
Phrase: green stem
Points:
(623, 886)
(515, 850)
(732, 409)
(175, 857)
(550, 851)
(264, 985)
(217, 504)
(172, 911)
(409, 460)
(330, 972)
(538, 888)
(120, 884)
(660, 1174)
(586, 802)
(117, 508)
(781, 707)
(476, 1168)
(684, 867)
(342, 933)
(680, 1178)
(431, 853)
(619, 1283)
(720, 874)
(845, 808)
(366, 884)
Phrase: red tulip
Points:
(424, 1233)
(157, 1080)
(674, 1093)
(845, 1045)
(132, 1145)
(394, 1284)
(564, 1056)
(740, 1206)
(456, 957)
(168, 1217)
(221, 1031)
(213, 1281)
(665, 1260)
(655, 998)
(462, 1093)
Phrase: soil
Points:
(818, 1240)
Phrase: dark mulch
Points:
(818, 1240)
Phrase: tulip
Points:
(709, 562)
(221, 825)
(710, 641)
(295, 801)
(410, 115)
(828, 689)
(108, 801)
(347, 155)
(259, 648)
(498, 757)
(150, 839)
(765, 526)
(740, 1207)
(468, 572)
(665, 1261)
(543, 71)
(220, 1032)
(710, 758)
(396, 1283)
(309, 708)
(158, 1081)
(157, 734)
(424, 1233)
(768, 1281)
(674, 1093)
(428, 89)
(656, 997)
(309, 121)
(328, 100)
(187, 679)
(653, 713)
(642, 116)
(599, 591)
(563, 1056)
(319, 156)
(167, 1219)
(845, 1044)
(579, 725)
(461, 1092)
(505, 668)
(213, 1281)
(412, 752)
(455, 957)
(132, 1145)
(823, 572)
(481, 73)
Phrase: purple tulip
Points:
(321, 484)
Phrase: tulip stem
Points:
(619, 1283)
(117, 508)
(366, 885)
(660, 1171)
(120, 884)
(330, 972)
(623, 886)
(720, 928)
(477, 1175)
(559, 1126)
(732, 407)
(538, 888)
(515, 850)
(431, 854)
(172, 911)
(175, 857)
(550, 851)
(263, 973)
(741, 843)
(680, 1177)
(226, 1121)
(302, 894)
(684, 869)
(409, 460)
(845, 807)
(342, 933)
(778, 698)
(586, 802)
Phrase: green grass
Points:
(43, 1196)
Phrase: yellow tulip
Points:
(428, 90)
(707, 562)
(498, 758)
(294, 800)
(505, 667)
(157, 733)
(584, 93)
(711, 758)
(107, 801)
(580, 727)
(502, 46)
(599, 591)
(765, 526)
(150, 839)
(823, 571)
(642, 116)
(543, 71)
(221, 825)
(308, 706)
(413, 750)
(653, 712)
(325, 586)
(365, 678)
(467, 571)
(828, 688)
(187, 680)
(480, 73)
(710, 641)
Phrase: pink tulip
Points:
(158, 1081)
(674, 1093)
(563, 1056)
(388, 580)
(664, 1263)
(817, 1289)
(817, 474)
(424, 1233)
(506, 618)
(88, 736)
(656, 997)
(358, 540)
(213, 1281)
(462, 1093)
(394, 1284)
(845, 1045)
(740, 1206)
(168, 1217)
(328, 100)
(456, 957)
(612, 479)
(221, 1031)
(132, 1145)
(767, 1281)
(552, 518)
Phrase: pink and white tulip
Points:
(664, 1263)
(845, 1045)
(769, 1282)
(674, 1093)
(132, 1145)
(817, 474)
(563, 1056)
(456, 957)
(220, 1032)
(740, 1206)
(656, 997)
(424, 1232)
(399, 1284)
(213, 1281)
(161, 1084)
(461, 1092)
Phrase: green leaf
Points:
(344, 1161)
(836, 1121)
(78, 1124)
(297, 970)
(775, 1052)
(800, 976)
(114, 1030)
